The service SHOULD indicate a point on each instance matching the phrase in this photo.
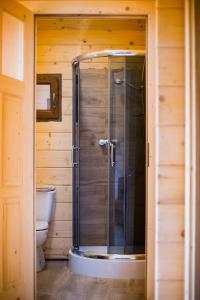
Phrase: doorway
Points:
(59, 40)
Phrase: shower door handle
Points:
(112, 154)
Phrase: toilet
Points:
(45, 209)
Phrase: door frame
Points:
(192, 174)
(140, 9)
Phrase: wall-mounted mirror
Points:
(48, 97)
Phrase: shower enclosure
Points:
(109, 158)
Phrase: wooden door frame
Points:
(192, 188)
(140, 9)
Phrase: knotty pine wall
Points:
(58, 42)
(171, 148)
(170, 130)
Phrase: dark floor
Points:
(57, 282)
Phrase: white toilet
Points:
(45, 208)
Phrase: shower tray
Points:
(96, 264)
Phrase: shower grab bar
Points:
(112, 144)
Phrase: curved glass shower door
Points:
(109, 155)
(127, 155)
(116, 164)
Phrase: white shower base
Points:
(118, 268)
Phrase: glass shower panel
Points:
(109, 155)
(135, 154)
(93, 173)
(116, 163)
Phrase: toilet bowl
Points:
(41, 236)
(45, 208)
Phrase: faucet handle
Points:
(103, 142)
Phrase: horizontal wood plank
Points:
(171, 66)
(64, 126)
(60, 229)
(170, 223)
(171, 34)
(170, 289)
(59, 37)
(171, 103)
(170, 261)
(171, 184)
(63, 212)
(171, 145)
(63, 192)
(92, 23)
(139, 7)
(57, 176)
(170, 4)
(54, 159)
(53, 141)
(57, 247)
(66, 53)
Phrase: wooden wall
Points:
(170, 160)
(59, 41)
(170, 130)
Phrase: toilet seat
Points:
(41, 225)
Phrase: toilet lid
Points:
(41, 225)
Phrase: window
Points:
(12, 47)
(48, 97)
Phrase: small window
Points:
(12, 47)
(48, 97)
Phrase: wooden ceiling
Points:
(89, 23)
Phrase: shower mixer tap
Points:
(103, 142)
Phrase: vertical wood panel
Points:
(12, 137)
(197, 127)
(12, 244)
(171, 118)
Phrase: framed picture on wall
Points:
(48, 97)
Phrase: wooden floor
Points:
(57, 282)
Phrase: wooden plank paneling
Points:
(169, 75)
(67, 106)
(171, 102)
(170, 34)
(170, 223)
(95, 24)
(170, 4)
(53, 141)
(170, 261)
(65, 53)
(64, 126)
(55, 52)
(171, 171)
(60, 229)
(171, 184)
(171, 145)
(53, 159)
(63, 212)
(54, 176)
(94, 37)
(139, 7)
(171, 290)
(64, 194)
(54, 66)
(57, 247)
